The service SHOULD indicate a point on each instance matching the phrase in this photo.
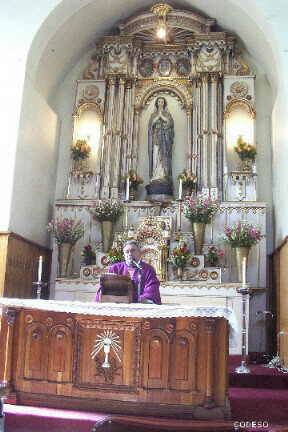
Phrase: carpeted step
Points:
(269, 405)
(32, 419)
(20, 418)
(260, 377)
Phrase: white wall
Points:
(36, 157)
(19, 22)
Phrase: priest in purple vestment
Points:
(142, 274)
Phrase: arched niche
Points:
(239, 120)
(179, 103)
(88, 125)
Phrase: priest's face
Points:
(131, 253)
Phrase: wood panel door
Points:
(156, 352)
(60, 354)
(183, 357)
(35, 351)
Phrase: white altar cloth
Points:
(133, 310)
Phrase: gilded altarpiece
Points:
(204, 81)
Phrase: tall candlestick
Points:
(244, 263)
(40, 266)
(127, 189)
(211, 231)
(180, 189)
(179, 215)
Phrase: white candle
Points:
(40, 266)
(244, 263)
(180, 189)
(127, 189)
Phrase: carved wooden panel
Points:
(122, 370)
(156, 352)
(61, 359)
(35, 351)
(183, 361)
(60, 354)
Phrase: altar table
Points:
(134, 359)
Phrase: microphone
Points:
(137, 265)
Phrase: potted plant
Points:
(80, 151)
(107, 211)
(114, 255)
(213, 255)
(189, 182)
(241, 236)
(199, 211)
(179, 257)
(67, 232)
(88, 255)
(246, 152)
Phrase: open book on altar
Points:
(116, 288)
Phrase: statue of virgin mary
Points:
(160, 142)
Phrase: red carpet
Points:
(33, 419)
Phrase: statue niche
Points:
(160, 144)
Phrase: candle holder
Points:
(4, 390)
(126, 202)
(179, 215)
(39, 286)
(244, 291)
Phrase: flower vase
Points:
(198, 230)
(107, 234)
(187, 191)
(89, 261)
(180, 273)
(240, 253)
(246, 165)
(132, 194)
(65, 252)
(79, 165)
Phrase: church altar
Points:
(154, 109)
(177, 294)
(149, 359)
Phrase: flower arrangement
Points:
(200, 209)
(66, 230)
(107, 210)
(180, 255)
(134, 179)
(88, 255)
(214, 254)
(242, 234)
(80, 150)
(115, 255)
(245, 150)
(189, 180)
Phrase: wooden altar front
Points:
(161, 360)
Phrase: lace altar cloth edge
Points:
(132, 310)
